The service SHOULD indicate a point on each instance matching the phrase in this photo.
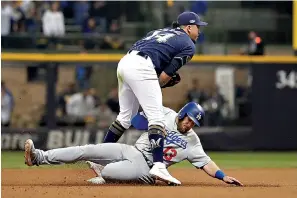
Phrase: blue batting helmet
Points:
(194, 111)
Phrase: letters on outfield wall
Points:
(212, 138)
(13, 139)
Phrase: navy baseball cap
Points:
(190, 18)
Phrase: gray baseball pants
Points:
(122, 162)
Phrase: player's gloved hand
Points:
(231, 180)
(173, 81)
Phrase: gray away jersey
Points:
(177, 146)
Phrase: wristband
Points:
(219, 175)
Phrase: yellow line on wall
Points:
(38, 57)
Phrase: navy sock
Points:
(156, 137)
(114, 133)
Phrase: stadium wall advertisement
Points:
(213, 138)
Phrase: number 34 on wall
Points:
(286, 79)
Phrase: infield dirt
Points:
(50, 183)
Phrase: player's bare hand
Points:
(232, 180)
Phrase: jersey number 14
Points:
(160, 36)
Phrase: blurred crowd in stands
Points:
(216, 106)
(52, 20)
(46, 22)
(82, 106)
(91, 25)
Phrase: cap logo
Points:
(198, 116)
(192, 21)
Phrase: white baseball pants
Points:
(121, 162)
(139, 84)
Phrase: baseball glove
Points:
(173, 81)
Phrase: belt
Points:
(149, 163)
(144, 55)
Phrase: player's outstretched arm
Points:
(213, 170)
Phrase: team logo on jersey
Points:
(154, 143)
(174, 138)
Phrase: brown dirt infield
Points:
(51, 183)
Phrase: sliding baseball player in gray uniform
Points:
(126, 163)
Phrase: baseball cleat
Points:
(97, 168)
(29, 152)
(96, 180)
(160, 172)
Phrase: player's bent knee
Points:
(118, 171)
(109, 172)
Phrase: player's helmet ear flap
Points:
(194, 111)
